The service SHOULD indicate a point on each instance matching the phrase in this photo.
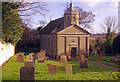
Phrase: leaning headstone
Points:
(68, 69)
(69, 58)
(52, 69)
(29, 63)
(27, 73)
(63, 59)
(20, 57)
(83, 62)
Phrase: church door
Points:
(73, 51)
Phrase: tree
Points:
(30, 40)
(11, 23)
(108, 43)
(86, 18)
(110, 22)
(28, 9)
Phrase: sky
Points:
(100, 8)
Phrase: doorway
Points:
(73, 51)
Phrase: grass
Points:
(95, 58)
(11, 71)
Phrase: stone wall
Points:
(6, 51)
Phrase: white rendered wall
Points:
(6, 51)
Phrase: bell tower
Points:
(71, 16)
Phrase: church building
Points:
(63, 36)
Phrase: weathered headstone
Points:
(27, 73)
(31, 56)
(29, 63)
(41, 57)
(63, 59)
(68, 69)
(20, 57)
(52, 69)
(69, 58)
(35, 56)
(83, 62)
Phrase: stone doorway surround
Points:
(72, 47)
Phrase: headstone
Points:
(35, 56)
(68, 69)
(52, 69)
(20, 57)
(31, 56)
(69, 58)
(29, 63)
(83, 62)
(41, 57)
(77, 58)
(63, 59)
(27, 73)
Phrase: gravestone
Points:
(29, 63)
(41, 57)
(69, 58)
(63, 59)
(27, 73)
(68, 69)
(77, 58)
(83, 62)
(35, 56)
(31, 56)
(20, 57)
(52, 69)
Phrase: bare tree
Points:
(110, 22)
(28, 9)
(86, 18)
(42, 23)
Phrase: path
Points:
(114, 68)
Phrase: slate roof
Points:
(53, 26)
(56, 26)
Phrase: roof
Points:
(53, 26)
(56, 26)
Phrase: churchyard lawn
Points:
(11, 71)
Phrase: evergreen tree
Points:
(11, 23)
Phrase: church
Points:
(63, 36)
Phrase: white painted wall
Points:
(6, 51)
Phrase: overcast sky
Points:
(100, 8)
